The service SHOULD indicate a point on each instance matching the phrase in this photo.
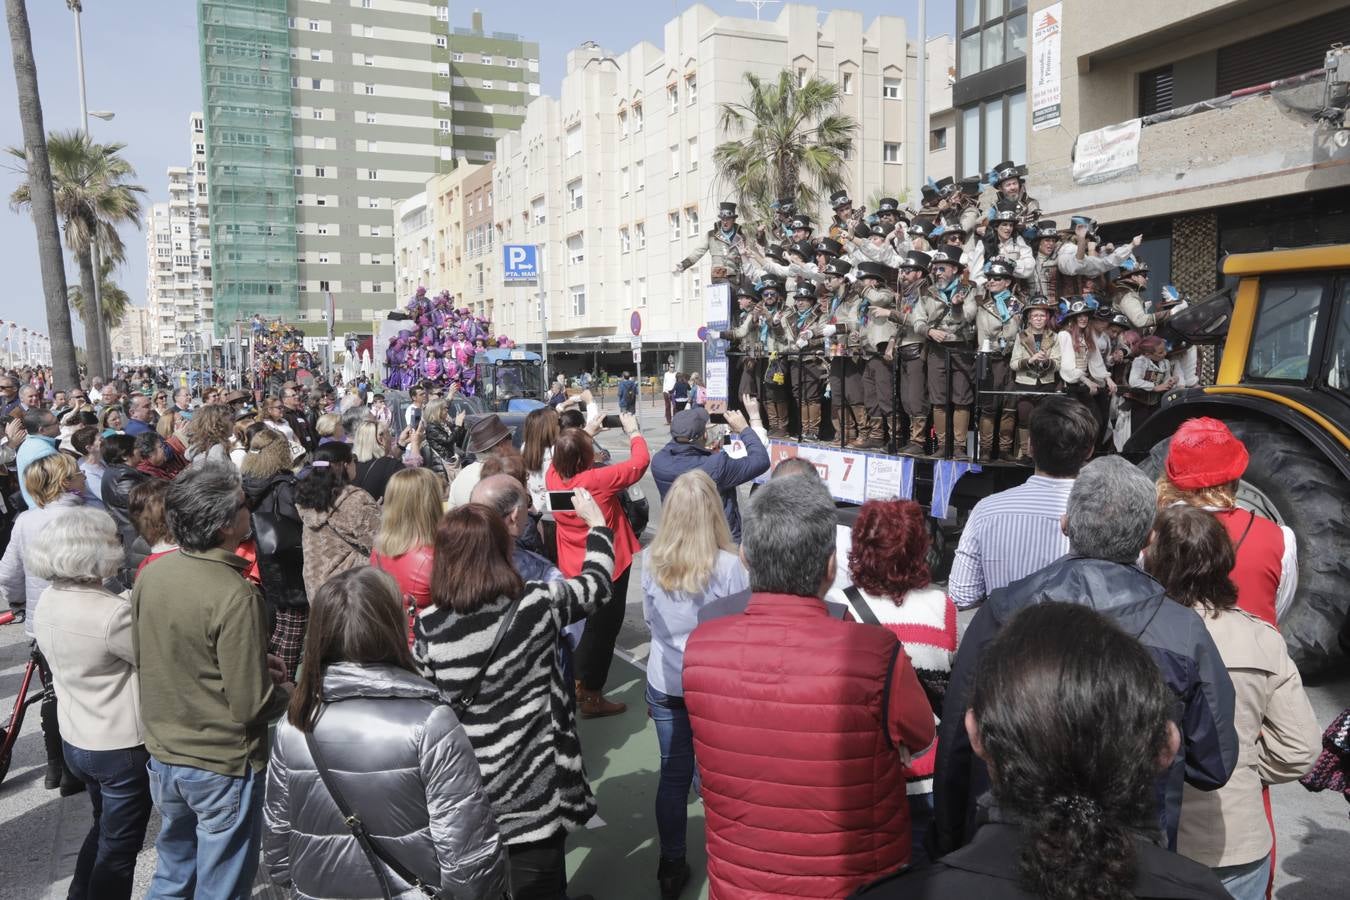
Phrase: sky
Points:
(144, 67)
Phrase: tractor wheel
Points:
(1292, 483)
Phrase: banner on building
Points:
(1107, 152)
(1045, 80)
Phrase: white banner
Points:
(1107, 152)
(1045, 74)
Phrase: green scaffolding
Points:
(246, 96)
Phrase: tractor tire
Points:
(1313, 500)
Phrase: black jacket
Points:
(118, 480)
(304, 430)
(1174, 635)
(277, 531)
(987, 868)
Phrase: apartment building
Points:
(1210, 110)
(179, 294)
(940, 75)
(136, 336)
(614, 179)
(414, 249)
(989, 92)
(493, 76)
(321, 115)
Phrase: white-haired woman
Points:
(84, 631)
(374, 465)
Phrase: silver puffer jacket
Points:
(402, 760)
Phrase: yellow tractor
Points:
(1283, 387)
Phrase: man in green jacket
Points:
(208, 691)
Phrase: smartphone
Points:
(612, 421)
(717, 419)
(561, 501)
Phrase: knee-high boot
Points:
(1006, 426)
(1024, 445)
(961, 432)
(986, 436)
(811, 421)
(918, 436)
(942, 445)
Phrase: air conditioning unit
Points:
(1337, 97)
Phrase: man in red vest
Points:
(803, 723)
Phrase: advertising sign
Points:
(1045, 73)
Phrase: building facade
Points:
(614, 180)
(414, 249)
(136, 337)
(1229, 156)
(493, 76)
(941, 74)
(989, 93)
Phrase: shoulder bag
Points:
(375, 853)
(467, 696)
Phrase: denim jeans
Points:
(211, 832)
(1247, 881)
(120, 792)
(676, 740)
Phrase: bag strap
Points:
(1237, 545)
(375, 854)
(467, 696)
(860, 607)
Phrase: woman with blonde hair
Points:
(443, 436)
(329, 428)
(414, 502)
(244, 430)
(374, 466)
(209, 435)
(172, 425)
(691, 562)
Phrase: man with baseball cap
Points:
(742, 459)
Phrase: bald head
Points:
(507, 496)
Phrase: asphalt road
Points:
(40, 833)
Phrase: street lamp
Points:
(103, 114)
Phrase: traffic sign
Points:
(635, 342)
(520, 262)
(637, 355)
(635, 323)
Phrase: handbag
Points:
(374, 851)
(934, 684)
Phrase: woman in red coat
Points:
(571, 468)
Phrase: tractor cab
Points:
(509, 380)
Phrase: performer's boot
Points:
(875, 438)
(986, 436)
(942, 445)
(855, 420)
(810, 421)
(778, 419)
(961, 433)
(918, 436)
(1024, 445)
(1006, 428)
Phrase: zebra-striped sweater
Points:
(522, 724)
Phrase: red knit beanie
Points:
(1204, 454)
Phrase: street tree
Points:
(38, 179)
(785, 140)
(112, 299)
(93, 196)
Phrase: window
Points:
(693, 154)
(324, 286)
(637, 117)
(848, 82)
(313, 25)
(315, 56)
(890, 152)
(487, 84)
(376, 287)
(369, 60)
(623, 182)
(457, 57)
(443, 125)
(316, 83)
(691, 90)
(673, 97)
(890, 88)
(993, 32)
(937, 139)
(623, 124)
(372, 174)
(578, 300)
(691, 220)
(576, 250)
(537, 212)
(370, 118)
(573, 141)
(674, 221)
(574, 195)
(640, 231)
(321, 229)
(323, 258)
(1155, 91)
(513, 63)
(801, 77)
(441, 41)
(639, 175)
(992, 131)
(1286, 325)
(370, 90)
(625, 241)
(316, 114)
(320, 172)
(674, 160)
(487, 59)
(642, 292)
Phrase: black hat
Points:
(948, 228)
(1103, 314)
(800, 222)
(1139, 267)
(878, 231)
(830, 246)
(804, 249)
(949, 255)
(787, 206)
(998, 216)
(747, 293)
(839, 198)
(919, 228)
(1045, 228)
(1122, 320)
(888, 204)
(1005, 170)
(945, 186)
(1040, 301)
(879, 271)
(970, 186)
(837, 266)
(1074, 306)
(998, 267)
(775, 253)
(916, 259)
(726, 210)
(770, 283)
(929, 193)
(804, 291)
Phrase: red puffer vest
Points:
(803, 788)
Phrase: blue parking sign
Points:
(520, 262)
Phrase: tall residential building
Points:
(615, 179)
(135, 337)
(941, 116)
(320, 116)
(179, 291)
(493, 75)
(990, 91)
(446, 239)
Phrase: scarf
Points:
(1001, 304)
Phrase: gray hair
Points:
(353, 417)
(789, 536)
(200, 503)
(1111, 510)
(502, 493)
(81, 545)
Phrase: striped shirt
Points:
(1009, 535)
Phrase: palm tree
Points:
(65, 373)
(93, 197)
(788, 141)
(113, 301)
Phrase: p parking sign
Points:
(520, 262)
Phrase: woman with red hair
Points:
(892, 587)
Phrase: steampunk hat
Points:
(1122, 320)
(1074, 306)
(837, 266)
(771, 283)
(929, 194)
(1104, 314)
(804, 291)
(998, 267)
(840, 198)
(916, 259)
(888, 205)
(804, 249)
(919, 228)
(726, 210)
(775, 253)
(998, 216)
(878, 231)
(1075, 221)
(1005, 170)
(880, 271)
(1040, 301)
(970, 186)
(945, 186)
(1045, 228)
(949, 255)
(786, 206)
(1130, 268)
(747, 293)
(801, 223)
(830, 246)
